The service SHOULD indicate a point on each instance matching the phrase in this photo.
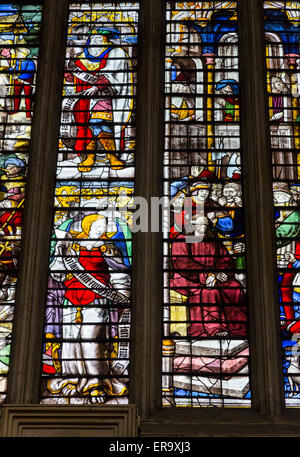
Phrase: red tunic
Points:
(82, 107)
(94, 263)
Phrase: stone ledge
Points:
(68, 421)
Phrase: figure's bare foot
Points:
(92, 388)
(115, 387)
(81, 384)
(65, 386)
(97, 396)
(69, 390)
(87, 384)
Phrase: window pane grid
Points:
(205, 347)
(19, 47)
(282, 36)
(87, 325)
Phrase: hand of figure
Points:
(210, 281)
(222, 201)
(5, 204)
(126, 293)
(91, 91)
(290, 257)
(277, 116)
(223, 334)
(239, 247)
(196, 170)
(222, 277)
(282, 322)
(220, 101)
(211, 216)
(110, 250)
(61, 247)
(238, 201)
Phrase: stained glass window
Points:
(19, 46)
(87, 322)
(282, 32)
(218, 104)
(205, 344)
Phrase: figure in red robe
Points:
(204, 272)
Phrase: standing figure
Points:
(102, 76)
(22, 69)
(11, 215)
(89, 284)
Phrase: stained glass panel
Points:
(87, 324)
(282, 34)
(205, 346)
(19, 46)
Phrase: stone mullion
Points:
(147, 247)
(262, 279)
(23, 383)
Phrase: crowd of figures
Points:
(210, 272)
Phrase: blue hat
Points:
(177, 186)
(229, 82)
(14, 161)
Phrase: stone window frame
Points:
(145, 416)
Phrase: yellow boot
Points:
(116, 164)
(107, 141)
(87, 164)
